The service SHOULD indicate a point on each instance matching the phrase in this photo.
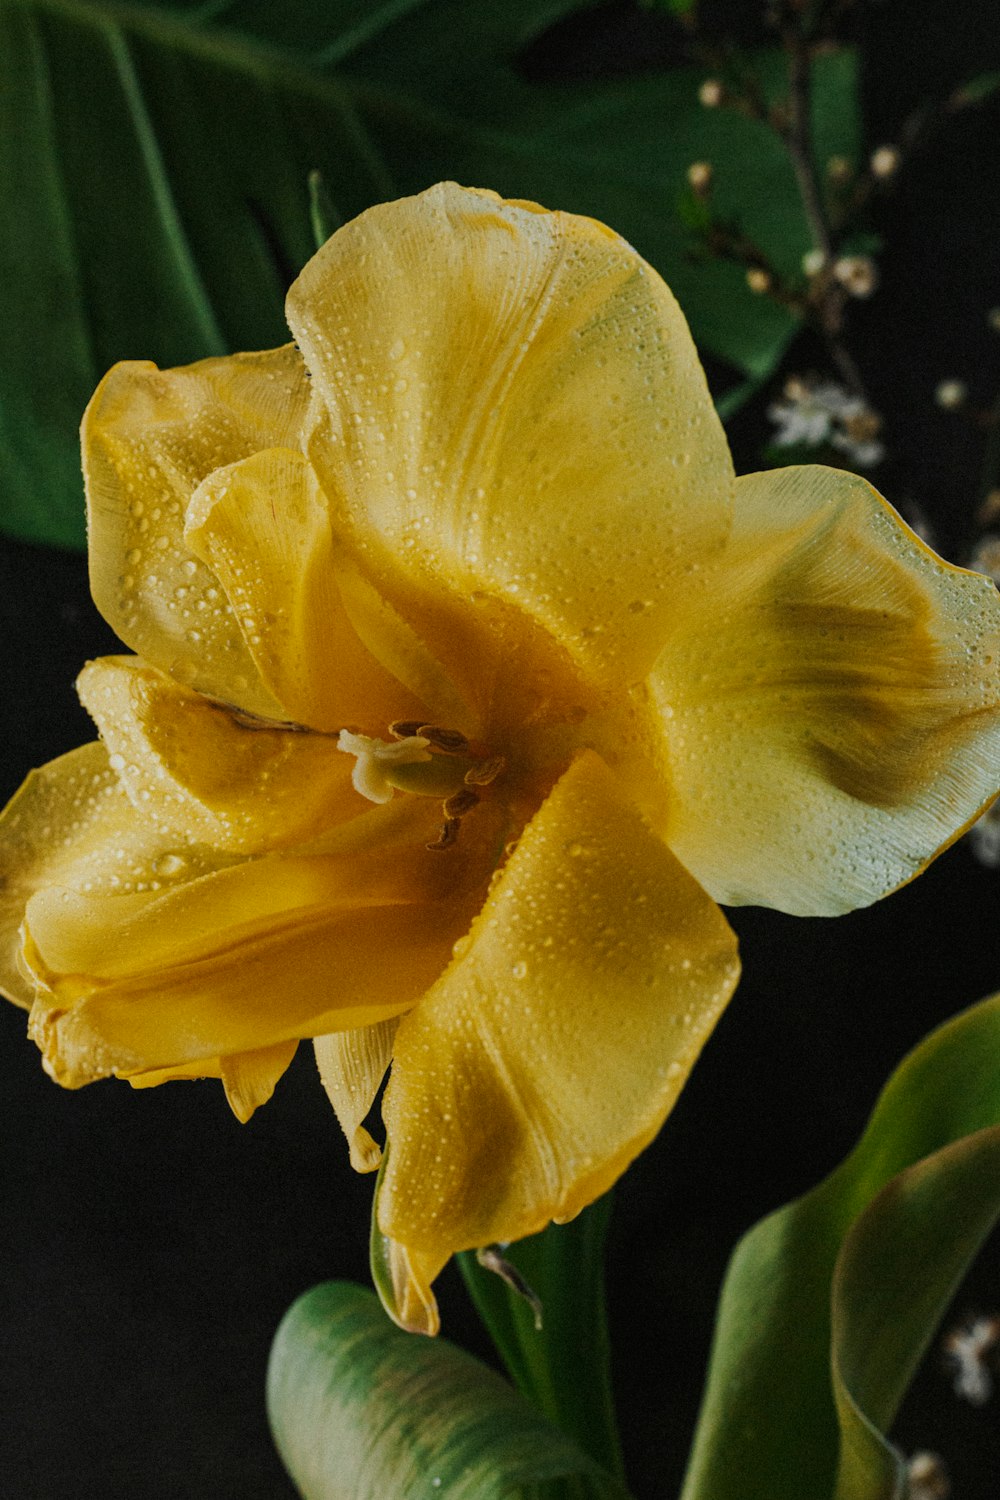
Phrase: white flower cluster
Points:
(814, 412)
(968, 1350)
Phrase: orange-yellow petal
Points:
(550, 1052)
(830, 700)
(352, 1065)
(71, 825)
(197, 770)
(272, 949)
(511, 413)
(262, 527)
(149, 438)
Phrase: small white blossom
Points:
(816, 412)
(857, 274)
(884, 161)
(950, 394)
(927, 1478)
(967, 1350)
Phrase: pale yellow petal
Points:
(196, 769)
(71, 825)
(831, 701)
(149, 438)
(514, 428)
(263, 529)
(550, 1052)
(250, 1078)
(272, 949)
(352, 1065)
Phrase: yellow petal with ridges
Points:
(71, 825)
(831, 700)
(194, 768)
(281, 947)
(550, 1052)
(263, 529)
(511, 409)
(149, 438)
(352, 1065)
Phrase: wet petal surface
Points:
(511, 415)
(263, 529)
(198, 770)
(830, 701)
(551, 1051)
(265, 951)
(149, 438)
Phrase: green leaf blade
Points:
(869, 1258)
(361, 1411)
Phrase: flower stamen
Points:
(448, 741)
(446, 838)
(453, 767)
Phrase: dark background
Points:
(149, 1244)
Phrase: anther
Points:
(404, 729)
(447, 836)
(460, 803)
(451, 741)
(485, 772)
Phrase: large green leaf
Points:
(361, 1411)
(563, 1365)
(829, 1303)
(154, 162)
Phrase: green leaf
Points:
(153, 193)
(141, 224)
(853, 1278)
(362, 1411)
(564, 1367)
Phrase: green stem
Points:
(564, 1368)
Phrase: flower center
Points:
(424, 759)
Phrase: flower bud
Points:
(858, 274)
(839, 169)
(711, 93)
(950, 394)
(758, 280)
(813, 262)
(699, 175)
(884, 162)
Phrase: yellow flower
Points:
(468, 681)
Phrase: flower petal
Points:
(272, 949)
(149, 438)
(511, 414)
(352, 1065)
(249, 1078)
(196, 770)
(831, 701)
(550, 1052)
(72, 825)
(263, 529)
